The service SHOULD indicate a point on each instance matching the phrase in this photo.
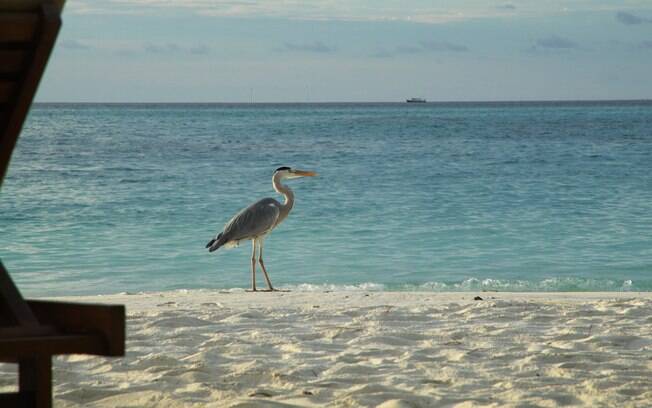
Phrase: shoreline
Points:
(201, 348)
(333, 300)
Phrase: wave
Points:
(558, 284)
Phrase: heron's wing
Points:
(255, 220)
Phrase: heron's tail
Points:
(214, 243)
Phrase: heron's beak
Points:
(302, 173)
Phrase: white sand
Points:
(357, 349)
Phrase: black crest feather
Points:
(282, 168)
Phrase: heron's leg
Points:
(262, 265)
(253, 265)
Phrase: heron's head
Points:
(290, 173)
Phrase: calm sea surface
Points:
(537, 196)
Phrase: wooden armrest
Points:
(17, 399)
(80, 318)
(26, 331)
(14, 349)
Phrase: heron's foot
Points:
(274, 290)
(252, 290)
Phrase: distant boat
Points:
(415, 100)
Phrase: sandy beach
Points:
(366, 349)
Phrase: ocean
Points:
(107, 198)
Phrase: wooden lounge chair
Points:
(32, 331)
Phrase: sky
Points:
(350, 51)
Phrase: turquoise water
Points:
(537, 196)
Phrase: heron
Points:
(258, 220)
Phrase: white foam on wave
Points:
(325, 287)
(559, 284)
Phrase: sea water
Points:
(487, 196)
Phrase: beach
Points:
(210, 348)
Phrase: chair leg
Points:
(35, 377)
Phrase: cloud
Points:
(631, 19)
(382, 53)
(407, 49)
(162, 49)
(555, 42)
(443, 46)
(307, 10)
(423, 48)
(74, 45)
(313, 10)
(316, 46)
(200, 49)
(174, 48)
(414, 11)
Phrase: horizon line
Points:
(633, 100)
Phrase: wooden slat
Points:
(13, 123)
(25, 347)
(27, 5)
(21, 331)
(12, 61)
(18, 27)
(17, 399)
(3, 118)
(7, 89)
(35, 375)
(106, 320)
(12, 303)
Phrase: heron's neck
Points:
(287, 193)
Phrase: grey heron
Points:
(259, 219)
